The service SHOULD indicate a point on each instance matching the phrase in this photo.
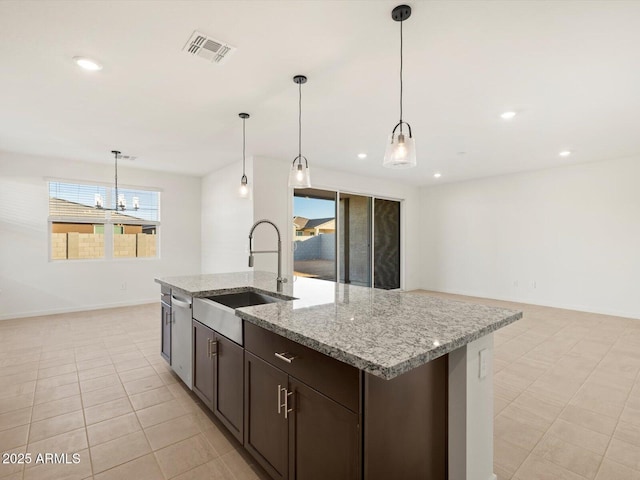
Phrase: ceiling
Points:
(570, 68)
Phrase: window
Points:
(83, 227)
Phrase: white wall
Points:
(574, 231)
(226, 220)
(273, 200)
(32, 285)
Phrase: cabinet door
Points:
(266, 433)
(323, 437)
(203, 338)
(165, 317)
(229, 385)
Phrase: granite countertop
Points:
(381, 332)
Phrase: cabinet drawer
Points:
(335, 379)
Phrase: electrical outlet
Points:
(123, 286)
(533, 284)
(484, 358)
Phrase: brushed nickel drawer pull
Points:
(285, 356)
(280, 404)
(209, 347)
(287, 410)
(214, 348)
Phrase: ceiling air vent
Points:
(210, 49)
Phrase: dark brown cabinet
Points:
(228, 379)
(218, 376)
(165, 329)
(203, 362)
(294, 431)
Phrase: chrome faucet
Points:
(279, 279)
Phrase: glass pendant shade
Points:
(299, 176)
(244, 190)
(401, 151)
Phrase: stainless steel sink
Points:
(218, 311)
(244, 299)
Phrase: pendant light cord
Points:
(401, 65)
(243, 148)
(116, 158)
(300, 122)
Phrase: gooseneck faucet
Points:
(279, 279)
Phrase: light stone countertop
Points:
(381, 332)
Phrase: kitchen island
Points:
(370, 383)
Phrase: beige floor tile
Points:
(151, 397)
(537, 468)
(56, 407)
(160, 413)
(172, 431)
(573, 458)
(579, 436)
(67, 470)
(57, 370)
(8, 380)
(508, 456)
(58, 380)
(96, 372)
(9, 468)
(131, 364)
(56, 425)
(630, 415)
(15, 418)
(13, 437)
(242, 466)
(105, 411)
(94, 363)
(614, 471)
(9, 404)
(629, 433)
(113, 428)
(591, 420)
(143, 468)
(121, 450)
(624, 453)
(185, 455)
(214, 469)
(56, 393)
(103, 395)
(532, 417)
(69, 442)
(98, 383)
(501, 473)
(136, 374)
(516, 432)
(19, 389)
(143, 384)
(219, 438)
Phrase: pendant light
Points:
(401, 149)
(121, 202)
(245, 189)
(299, 175)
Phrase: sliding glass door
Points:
(354, 238)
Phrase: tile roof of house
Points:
(59, 207)
(315, 222)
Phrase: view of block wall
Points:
(146, 245)
(124, 245)
(58, 246)
(85, 245)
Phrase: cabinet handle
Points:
(285, 356)
(287, 410)
(214, 348)
(209, 347)
(280, 405)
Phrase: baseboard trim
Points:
(564, 306)
(81, 308)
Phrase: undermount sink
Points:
(219, 311)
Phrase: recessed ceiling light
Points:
(565, 153)
(87, 63)
(437, 175)
(508, 115)
(362, 155)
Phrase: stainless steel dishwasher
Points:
(181, 357)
